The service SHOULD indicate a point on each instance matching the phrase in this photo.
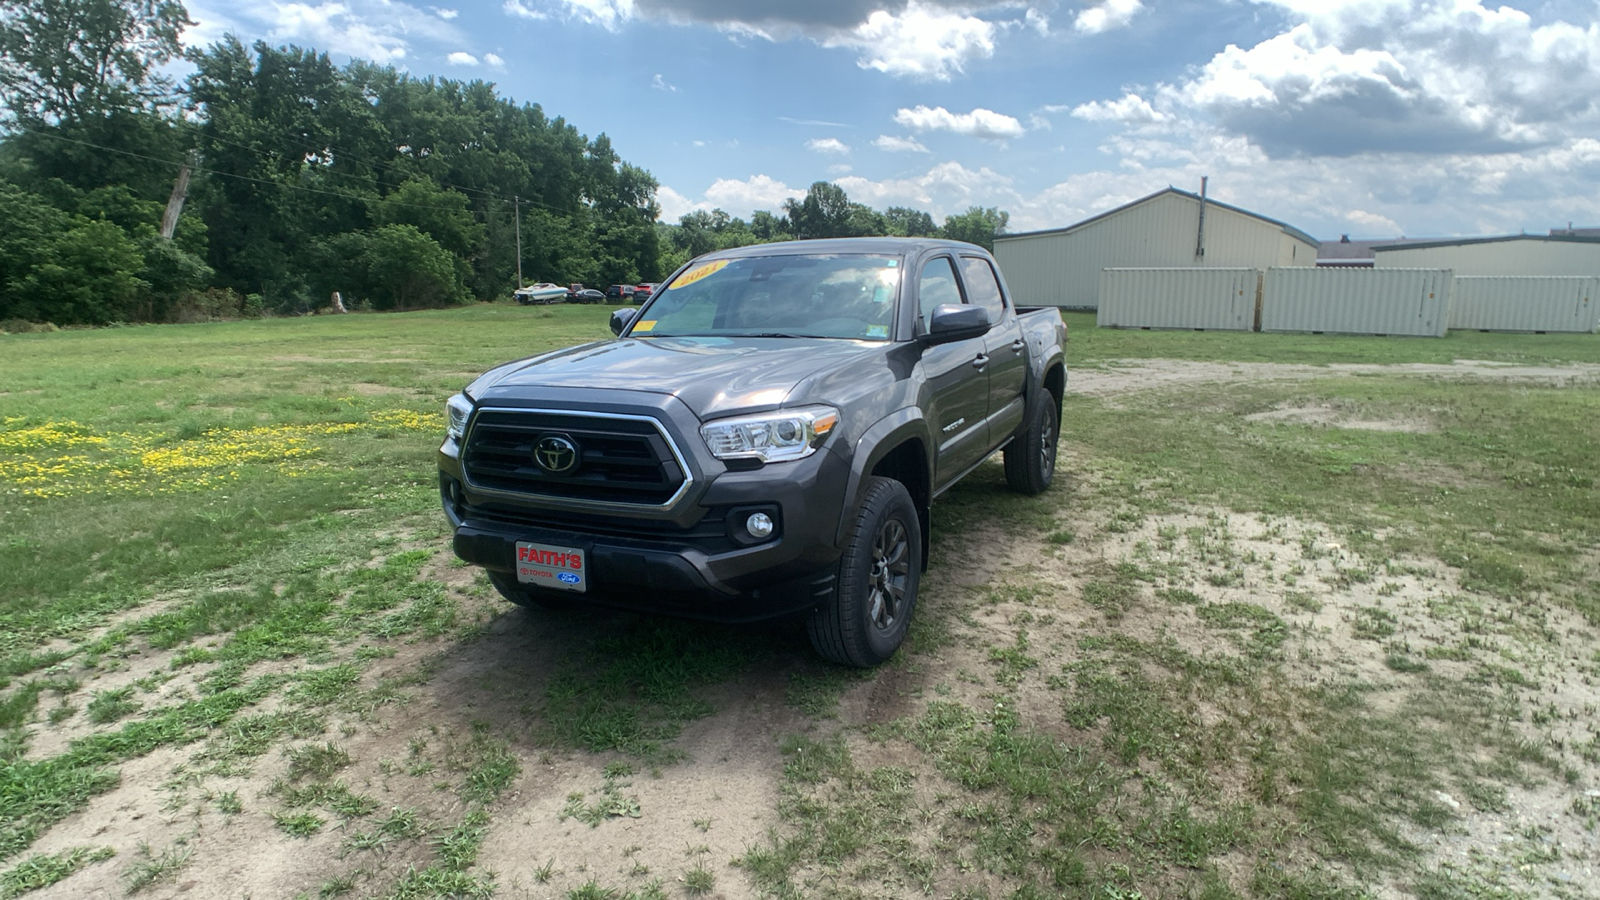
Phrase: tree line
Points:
(304, 178)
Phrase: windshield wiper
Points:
(776, 334)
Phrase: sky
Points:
(1372, 118)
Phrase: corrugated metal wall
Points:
(1527, 303)
(1063, 268)
(1529, 256)
(1211, 299)
(1357, 301)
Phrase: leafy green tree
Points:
(824, 212)
(73, 60)
(392, 267)
(903, 222)
(767, 227)
(978, 225)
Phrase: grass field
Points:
(1303, 616)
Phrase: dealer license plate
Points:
(557, 568)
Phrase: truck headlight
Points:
(771, 437)
(456, 411)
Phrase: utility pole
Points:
(180, 192)
(516, 203)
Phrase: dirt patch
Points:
(1332, 417)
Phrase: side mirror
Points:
(620, 319)
(951, 322)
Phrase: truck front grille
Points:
(619, 459)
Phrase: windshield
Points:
(825, 296)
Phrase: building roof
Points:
(1460, 242)
(1287, 228)
(1361, 248)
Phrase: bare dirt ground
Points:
(706, 810)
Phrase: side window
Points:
(937, 286)
(982, 287)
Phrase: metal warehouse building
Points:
(1170, 228)
(1520, 254)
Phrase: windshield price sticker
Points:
(699, 272)
(556, 568)
(646, 325)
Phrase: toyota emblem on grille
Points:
(556, 454)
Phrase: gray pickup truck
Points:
(763, 438)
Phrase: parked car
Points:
(585, 295)
(620, 292)
(642, 292)
(764, 438)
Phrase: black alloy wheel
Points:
(865, 620)
(1030, 458)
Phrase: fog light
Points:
(759, 525)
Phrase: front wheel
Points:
(865, 620)
(1031, 456)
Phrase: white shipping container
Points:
(1357, 301)
(1526, 303)
(1206, 299)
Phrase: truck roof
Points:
(899, 246)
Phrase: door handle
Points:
(980, 362)
(1017, 345)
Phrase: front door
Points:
(957, 378)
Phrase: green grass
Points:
(235, 499)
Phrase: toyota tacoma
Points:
(763, 438)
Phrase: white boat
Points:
(542, 293)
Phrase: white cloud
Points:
(892, 144)
(1132, 109)
(839, 169)
(462, 58)
(1432, 76)
(980, 123)
(661, 84)
(445, 14)
(922, 42)
(519, 10)
(494, 61)
(608, 14)
(335, 27)
(674, 205)
(1106, 15)
(1038, 21)
(827, 145)
(740, 198)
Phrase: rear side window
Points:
(983, 288)
(937, 286)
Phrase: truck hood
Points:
(712, 376)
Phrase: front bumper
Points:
(691, 559)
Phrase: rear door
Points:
(957, 378)
(1007, 352)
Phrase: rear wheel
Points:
(513, 590)
(1031, 456)
(865, 621)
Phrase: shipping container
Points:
(1202, 299)
(1526, 303)
(1061, 267)
(1357, 301)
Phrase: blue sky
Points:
(1374, 118)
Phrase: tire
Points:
(1031, 456)
(512, 590)
(865, 620)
